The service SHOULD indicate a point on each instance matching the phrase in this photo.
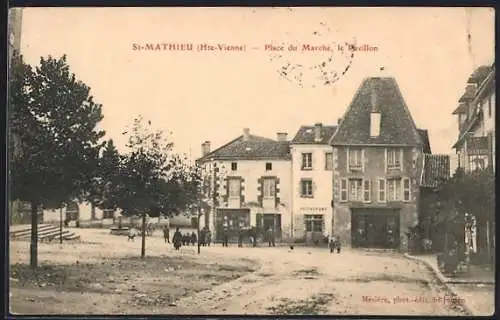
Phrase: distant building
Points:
(475, 145)
(377, 168)
(312, 165)
(249, 182)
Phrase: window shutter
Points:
(363, 160)
(348, 159)
(401, 158)
(385, 160)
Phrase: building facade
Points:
(249, 182)
(377, 167)
(312, 165)
(475, 145)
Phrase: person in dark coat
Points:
(208, 237)
(253, 234)
(203, 233)
(177, 239)
(166, 234)
(338, 244)
(240, 238)
(225, 237)
(331, 243)
(193, 238)
(271, 237)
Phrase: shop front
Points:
(375, 228)
(235, 220)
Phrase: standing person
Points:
(240, 238)
(193, 238)
(177, 239)
(225, 237)
(338, 244)
(203, 234)
(331, 243)
(131, 234)
(253, 233)
(209, 237)
(166, 233)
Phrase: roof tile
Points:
(397, 126)
(436, 170)
(305, 135)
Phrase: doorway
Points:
(269, 220)
(375, 228)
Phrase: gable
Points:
(396, 124)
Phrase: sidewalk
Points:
(476, 288)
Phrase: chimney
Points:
(339, 120)
(375, 115)
(205, 148)
(282, 136)
(318, 128)
(246, 134)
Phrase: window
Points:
(393, 190)
(381, 190)
(314, 223)
(234, 187)
(343, 190)
(269, 166)
(355, 159)
(269, 187)
(406, 189)
(234, 166)
(307, 161)
(328, 161)
(394, 158)
(366, 190)
(355, 189)
(306, 186)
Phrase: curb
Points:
(443, 281)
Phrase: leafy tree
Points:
(465, 194)
(107, 181)
(53, 122)
(157, 180)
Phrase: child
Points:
(337, 244)
(131, 234)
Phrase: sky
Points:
(213, 95)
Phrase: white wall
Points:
(322, 187)
(251, 171)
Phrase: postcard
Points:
(251, 161)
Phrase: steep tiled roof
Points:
(479, 74)
(305, 135)
(424, 137)
(397, 126)
(462, 108)
(253, 149)
(436, 170)
(469, 93)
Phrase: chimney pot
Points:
(246, 134)
(318, 128)
(205, 148)
(282, 136)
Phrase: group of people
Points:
(334, 244)
(186, 239)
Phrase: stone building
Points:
(377, 166)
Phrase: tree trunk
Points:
(34, 235)
(143, 245)
(92, 212)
